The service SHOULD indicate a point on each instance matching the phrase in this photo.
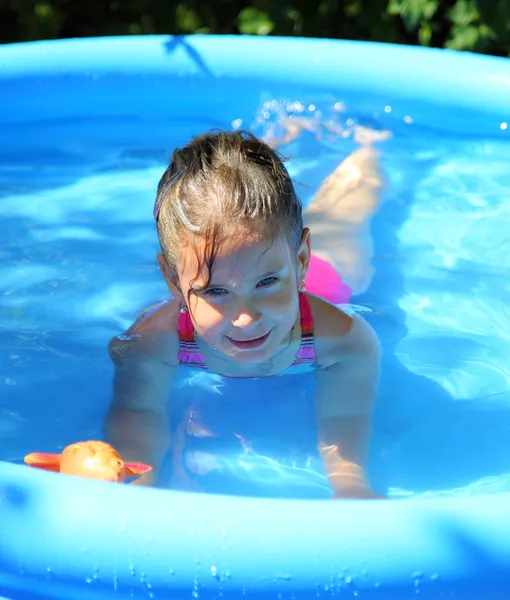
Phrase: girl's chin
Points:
(252, 357)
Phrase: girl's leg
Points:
(339, 217)
(339, 214)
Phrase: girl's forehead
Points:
(235, 260)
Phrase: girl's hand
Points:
(357, 493)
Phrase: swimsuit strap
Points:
(306, 352)
(190, 354)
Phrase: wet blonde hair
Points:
(220, 185)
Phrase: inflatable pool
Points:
(86, 126)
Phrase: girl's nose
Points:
(246, 316)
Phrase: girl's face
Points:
(250, 304)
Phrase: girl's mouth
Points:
(249, 344)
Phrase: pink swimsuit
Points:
(304, 361)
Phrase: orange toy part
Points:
(41, 460)
(91, 459)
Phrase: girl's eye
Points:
(267, 281)
(216, 292)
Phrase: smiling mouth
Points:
(249, 344)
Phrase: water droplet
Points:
(417, 578)
(348, 579)
(128, 338)
(88, 579)
(503, 126)
(214, 571)
(284, 577)
(434, 576)
(195, 592)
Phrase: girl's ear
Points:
(303, 255)
(170, 278)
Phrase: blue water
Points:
(77, 262)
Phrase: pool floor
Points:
(77, 262)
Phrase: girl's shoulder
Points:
(152, 335)
(160, 317)
(340, 337)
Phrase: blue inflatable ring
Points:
(63, 537)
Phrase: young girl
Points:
(235, 256)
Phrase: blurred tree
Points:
(475, 25)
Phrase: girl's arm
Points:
(346, 392)
(137, 423)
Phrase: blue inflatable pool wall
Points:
(67, 538)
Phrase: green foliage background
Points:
(475, 25)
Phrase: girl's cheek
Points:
(206, 317)
(282, 301)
